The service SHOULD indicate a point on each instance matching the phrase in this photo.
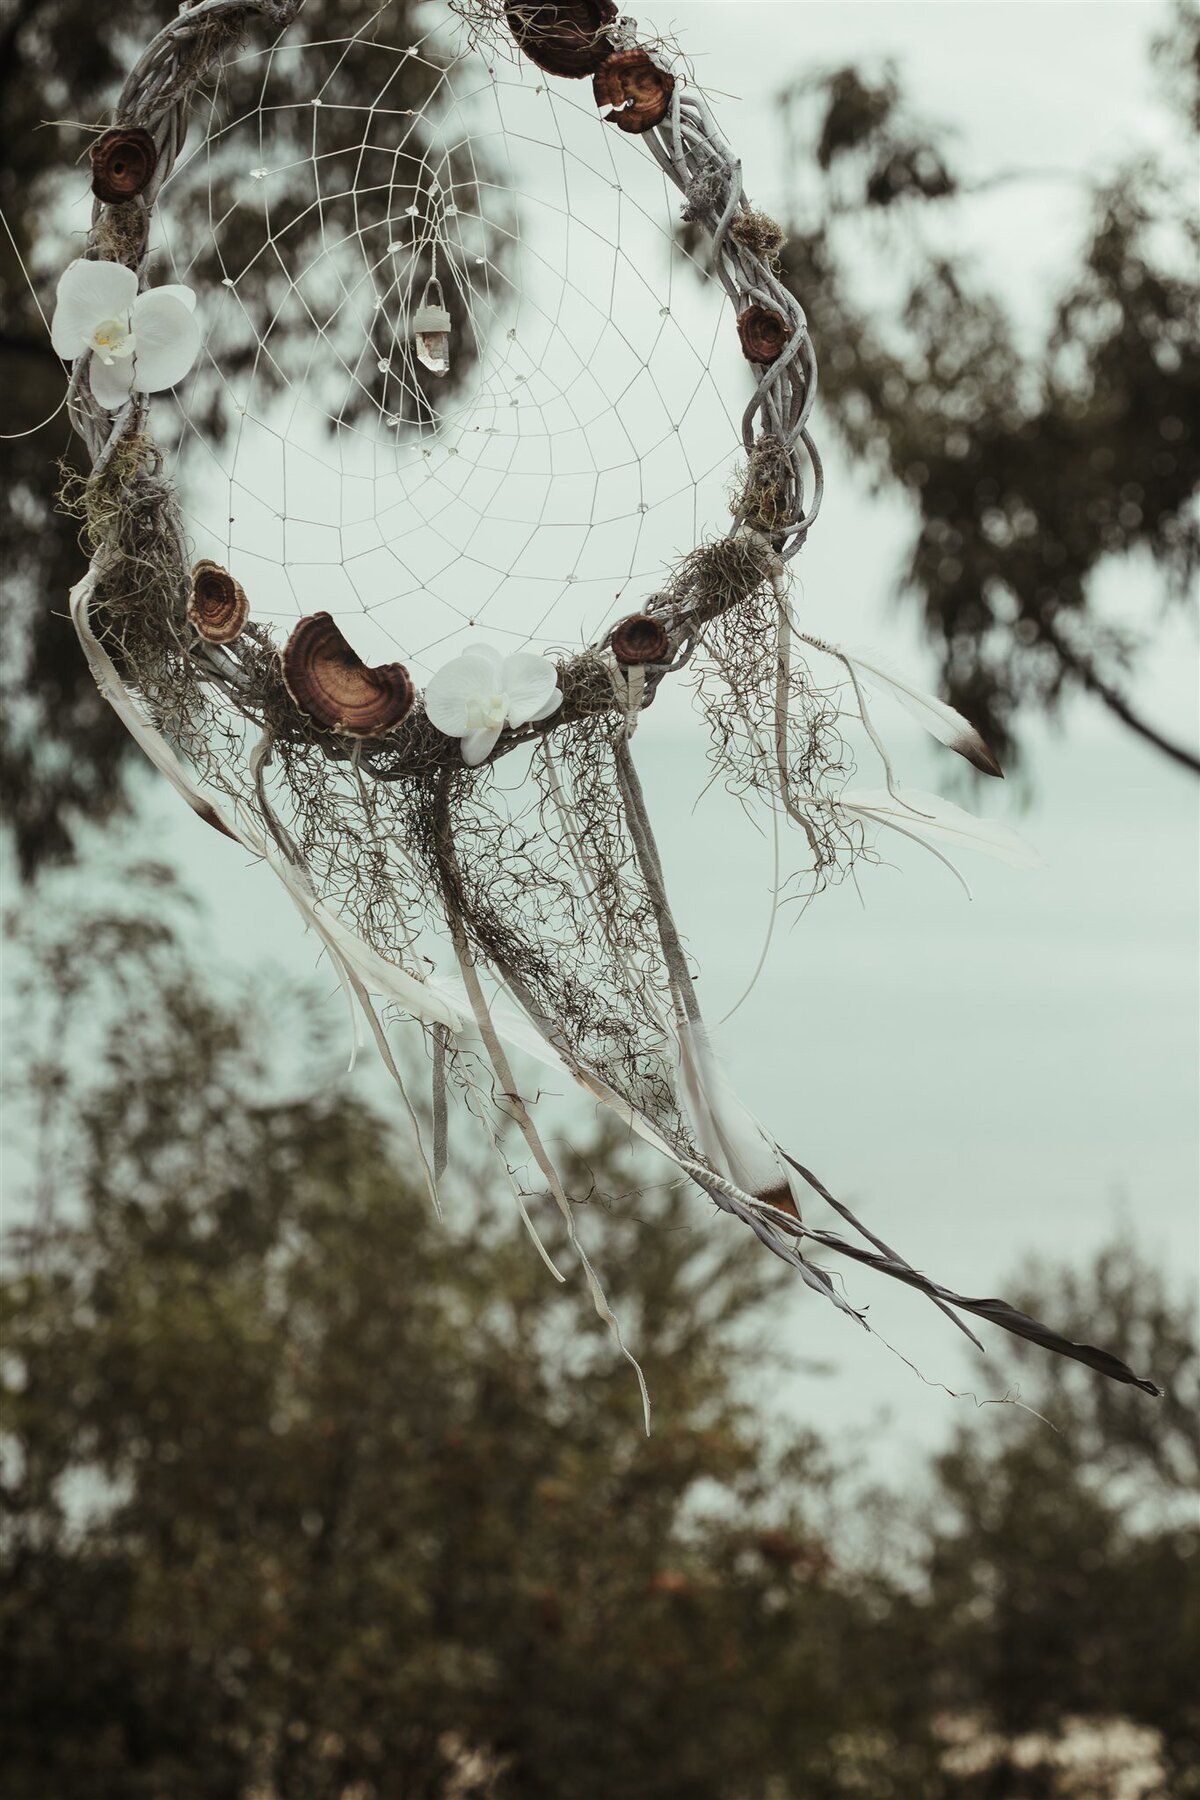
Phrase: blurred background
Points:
(307, 1495)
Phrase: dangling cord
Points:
(441, 1044)
(451, 884)
(300, 887)
(683, 988)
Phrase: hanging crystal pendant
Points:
(431, 330)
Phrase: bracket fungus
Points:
(640, 639)
(636, 92)
(123, 162)
(764, 333)
(564, 37)
(217, 604)
(330, 682)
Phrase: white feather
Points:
(377, 973)
(929, 817)
(938, 718)
(734, 1142)
(730, 1136)
(146, 735)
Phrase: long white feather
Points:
(929, 817)
(148, 738)
(730, 1136)
(377, 974)
(937, 717)
(941, 720)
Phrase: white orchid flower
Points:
(475, 695)
(143, 342)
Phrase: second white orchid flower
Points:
(138, 342)
(475, 695)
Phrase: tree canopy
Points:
(1028, 469)
(307, 1495)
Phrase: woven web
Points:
(581, 444)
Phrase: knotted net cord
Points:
(554, 883)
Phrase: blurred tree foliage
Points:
(1028, 470)
(310, 1498)
(63, 755)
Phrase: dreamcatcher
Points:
(445, 383)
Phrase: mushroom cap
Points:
(123, 161)
(640, 639)
(330, 682)
(764, 333)
(217, 604)
(564, 37)
(638, 91)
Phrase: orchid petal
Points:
(477, 746)
(87, 293)
(463, 679)
(552, 705)
(177, 291)
(485, 653)
(528, 682)
(167, 340)
(111, 382)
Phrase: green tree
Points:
(309, 1496)
(1026, 470)
(1062, 1562)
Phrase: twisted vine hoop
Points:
(603, 689)
(691, 151)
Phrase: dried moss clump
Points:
(765, 498)
(760, 234)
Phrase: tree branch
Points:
(1094, 683)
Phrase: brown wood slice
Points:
(217, 605)
(764, 333)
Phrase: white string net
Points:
(584, 439)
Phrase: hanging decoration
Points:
(373, 796)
